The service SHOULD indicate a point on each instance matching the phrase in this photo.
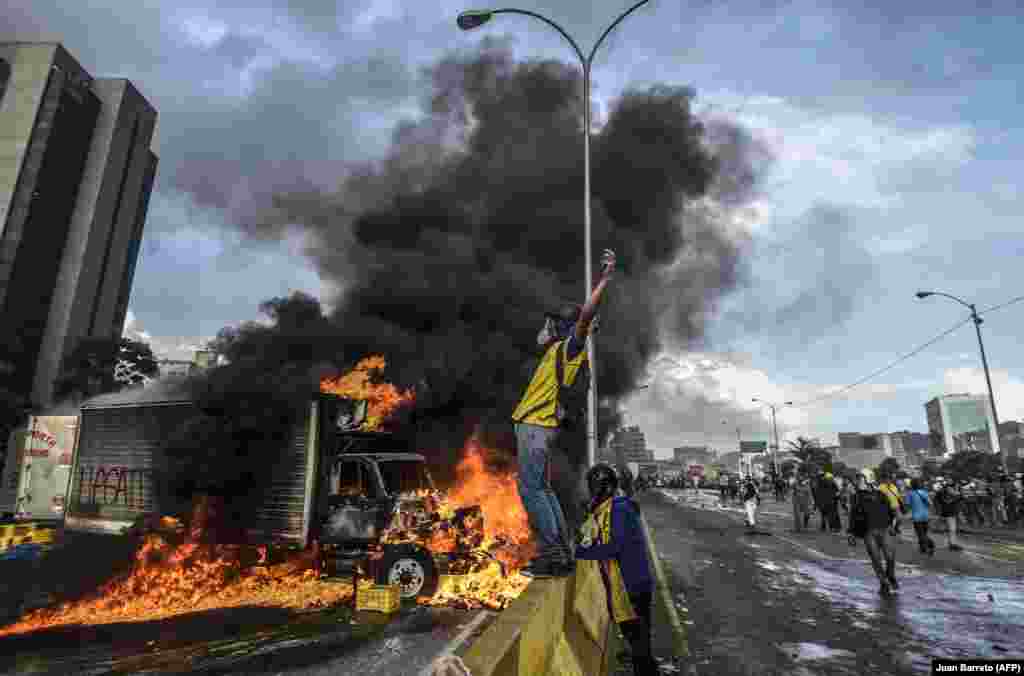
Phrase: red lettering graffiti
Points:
(44, 437)
(106, 485)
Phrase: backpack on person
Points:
(571, 402)
(858, 517)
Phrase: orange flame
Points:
(168, 580)
(505, 520)
(485, 572)
(382, 398)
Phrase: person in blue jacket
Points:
(614, 537)
(920, 508)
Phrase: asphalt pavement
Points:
(779, 602)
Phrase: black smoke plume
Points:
(448, 251)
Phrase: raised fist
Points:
(608, 262)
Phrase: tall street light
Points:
(775, 429)
(739, 446)
(984, 363)
(474, 19)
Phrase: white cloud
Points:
(842, 158)
(201, 30)
(132, 329)
(1008, 391)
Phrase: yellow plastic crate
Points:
(385, 598)
(453, 584)
(16, 530)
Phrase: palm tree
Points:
(812, 456)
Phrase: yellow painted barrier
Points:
(560, 627)
(557, 627)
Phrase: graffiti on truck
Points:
(114, 485)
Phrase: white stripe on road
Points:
(456, 642)
(801, 545)
(967, 550)
(666, 597)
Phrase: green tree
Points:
(887, 469)
(969, 464)
(140, 357)
(930, 470)
(813, 458)
(88, 370)
(788, 468)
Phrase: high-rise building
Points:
(1011, 438)
(76, 173)
(630, 446)
(961, 422)
(907, 445)
(693, 455)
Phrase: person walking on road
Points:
(999, 489)
(948, 500)
(751, 499)
(892, 494)
(803, 504)
(871, 518)
(917, 498)
(825, 498)
(614, 537)
(541, 420)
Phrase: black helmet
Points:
(602, 482)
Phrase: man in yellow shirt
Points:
(892, 494)
(537, 421)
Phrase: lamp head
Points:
(923, 294)
(473, 19)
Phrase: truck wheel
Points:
(411, 568)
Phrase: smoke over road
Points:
(448, 250)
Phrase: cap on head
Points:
(602, 481)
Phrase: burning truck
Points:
(355, 499)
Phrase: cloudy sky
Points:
(896, 164)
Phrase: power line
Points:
(1001, 305)
(880, 371)
(910, 354)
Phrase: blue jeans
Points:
(534, 444)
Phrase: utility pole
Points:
(984, 363)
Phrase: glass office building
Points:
(961, 422)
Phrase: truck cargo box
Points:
(37, 468)
(116, 469)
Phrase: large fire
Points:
(481, 518)
(361, 384)
(479, 521)
(172, 576)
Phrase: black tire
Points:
(412, 568)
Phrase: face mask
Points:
(546, 334)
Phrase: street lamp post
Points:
(739, 447)
(984, 363)
(475, 18)
(775, 430)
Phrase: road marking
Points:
(456, 642)
(812, 550)
(967, 550)
(666, 597)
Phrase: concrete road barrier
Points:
(561, 627)
(557, 626)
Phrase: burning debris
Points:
(480, 524)
(173, 575)
(362, 384)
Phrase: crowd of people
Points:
(874, 510)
